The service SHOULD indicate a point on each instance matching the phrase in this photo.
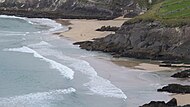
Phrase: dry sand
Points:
(82, 29)
(182, 99)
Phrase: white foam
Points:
(42, 44)
(47, 22)
(64, 70)
(40, 99)
(104, 87)
(38, 21)
(11, 17)
(97, 84)
(15, 17)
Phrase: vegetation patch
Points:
(171, 13)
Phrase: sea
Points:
(40, 69)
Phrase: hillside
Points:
(89, 9)
(162, 33)
(169, 13)
(174, 9)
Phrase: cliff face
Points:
(68, 8)
(146, 40)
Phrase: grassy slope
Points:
(170, 12)
(175, 9)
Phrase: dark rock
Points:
(54, 14)
(85, 44)
(188, 105)
(55, 9)
(171, 103)
(176, 88)
(146, 40)
(172, 62)
(182, 74)
(156, 104)
(165, 65)
(108, 28)
(70, 9)
(130, 15)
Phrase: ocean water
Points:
(39, 69)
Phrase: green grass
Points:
(170, 13)
(175, 9)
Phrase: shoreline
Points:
(83, 30)
(128, 80)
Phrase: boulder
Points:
(171, 103)
(108, 28)
(176, 88)
(182, 74)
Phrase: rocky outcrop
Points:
(88, 9)
(182, 74)
(171, 103)
(108, 28)
(176, 64)
(176, 88)
(54, 9)
(145, 40)
(130, 15)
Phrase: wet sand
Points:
(149, 67)
(133, 82)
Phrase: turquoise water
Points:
(41, 70)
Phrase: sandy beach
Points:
(182, 99)
(81, 30)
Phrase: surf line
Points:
(64, 70)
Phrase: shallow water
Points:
(37, 71)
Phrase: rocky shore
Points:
(182, 74)
(176, 88)
(171, 103)
(144, 40)
(108, 28)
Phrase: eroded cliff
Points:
(104, 9)
(96, 9)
